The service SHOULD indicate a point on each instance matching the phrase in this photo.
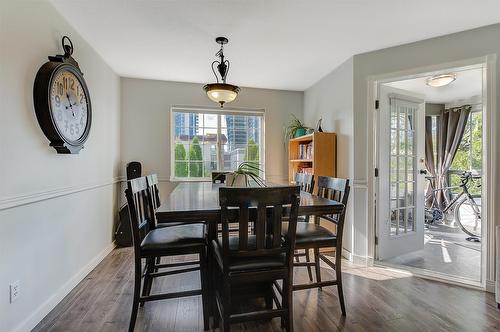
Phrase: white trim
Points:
(36, 317)
(346, 254)
(362, 260)
(490, 286)
(20, 200)
(488, 63)
(401, 97)
(436, 276)
(217, 110)
(359, 184)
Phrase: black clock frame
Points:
(43, 106)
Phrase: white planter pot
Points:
(236, 180)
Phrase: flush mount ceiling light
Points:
(221, 92)
(441, 80)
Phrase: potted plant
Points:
(295, 129)
(244, 175)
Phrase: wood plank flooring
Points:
(377, 299)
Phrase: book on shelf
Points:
(305, 151)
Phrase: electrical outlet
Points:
(15, 289)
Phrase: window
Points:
(469, 154)
(206, 140)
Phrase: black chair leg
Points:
(148, 281)
(269, 297)
(287, 300)
(309, 270)
(204, 289)
(158, 261)
(137, 291)
(226, 310)
(338, 272)
(317, 266)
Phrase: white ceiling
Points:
(468, 84)
(279, 44)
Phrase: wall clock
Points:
(62, 102)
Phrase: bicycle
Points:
(466, 211)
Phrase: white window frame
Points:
(214, 110)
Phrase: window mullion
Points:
(220, 159)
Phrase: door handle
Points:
(423, 171)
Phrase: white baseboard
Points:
(362, 260)
(29, 323)
(490, 286)
(347, 254)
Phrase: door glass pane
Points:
(411, 220)
(394, 137)
(409, 143)
(402, 169)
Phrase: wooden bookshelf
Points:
(322, 159)
(322, 162)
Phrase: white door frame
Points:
(487, 62)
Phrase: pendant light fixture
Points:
(221, 92)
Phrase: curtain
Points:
(452, 127)
(430, 164)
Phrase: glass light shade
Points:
(441, 80)
(221, 92)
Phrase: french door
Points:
(401, 164)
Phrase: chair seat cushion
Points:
(174, 237)
(175, 223)
(240, 264)
(308, 233)
(168, 224)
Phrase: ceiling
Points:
(468, 84)
(278, 44)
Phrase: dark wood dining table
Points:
(199, 201)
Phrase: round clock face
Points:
(69, 105)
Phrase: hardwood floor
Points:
(377, 299)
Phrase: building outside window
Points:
(210, 140)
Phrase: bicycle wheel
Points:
(468, 216)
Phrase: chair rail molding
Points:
(25, 199)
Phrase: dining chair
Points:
(151, 242)
(154, 192)
(311, 235)
(261, 258)
(306, 183)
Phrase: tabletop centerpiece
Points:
(246, 173)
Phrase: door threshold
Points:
(435, 276)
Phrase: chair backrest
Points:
(219, 177)
(335, 189)
(266, 207)
(154, 190)
(140, 209)
(305, 181)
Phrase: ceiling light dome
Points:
(441, 80)
(221, 93)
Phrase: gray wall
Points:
(322, 100)
(145, 122)
(455, 47)
(56, 211)
(331, 99)
(433, 109)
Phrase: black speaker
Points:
(123, 233)
(134, 170)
